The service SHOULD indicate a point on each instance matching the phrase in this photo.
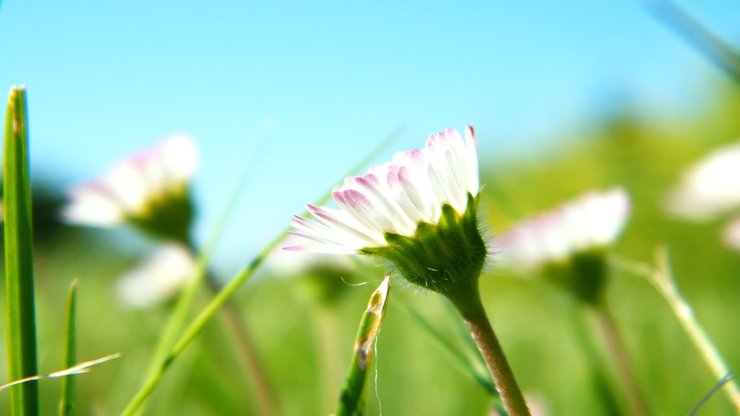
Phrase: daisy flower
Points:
(568, 243)
(418, 211)
(709, 188)
(158, 277)
(150, 190)
(591, 222)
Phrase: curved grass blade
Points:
(196, 326)
(19, 285)
(462, 361)
(67, 401)
(352, 398)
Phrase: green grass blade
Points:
(196, 326)
(67, 402)
(463, 362)
(352, 399)
(19, 291)
(715, 49)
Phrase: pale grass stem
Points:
(662, 279)
(79, 368)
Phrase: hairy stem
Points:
(474, 315)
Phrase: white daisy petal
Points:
(592, 221)
(395, 197)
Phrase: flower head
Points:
(158, 277)
(568, 241)
(150, 189)
(710, 187)
(418, 211)
(592, 221)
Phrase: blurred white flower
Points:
(158, 277)
(731, 234)
(593, 221)
(709, 188)
(149, 189)
(394, 197)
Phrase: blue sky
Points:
(303, 90)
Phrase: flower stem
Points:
(615, 346)
(606, 395)
(264, 396)
(474, 315)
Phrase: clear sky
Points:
(320, 83)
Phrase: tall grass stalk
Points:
(179, 316)
(662, 279)
(19, 280)
(67, 401)
(196, 326)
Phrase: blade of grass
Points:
(67, 401)
(226, 292)
(720, 53)
(352, 398)
(184, 302)
(19, 285)
(461, 360)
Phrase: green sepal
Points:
(446, 257)
(584, 275)
(168, 217)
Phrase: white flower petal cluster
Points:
(129, 187)
(394, 197)
(709, 188)
(731, 234)
(592, 221)
(158, 277)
